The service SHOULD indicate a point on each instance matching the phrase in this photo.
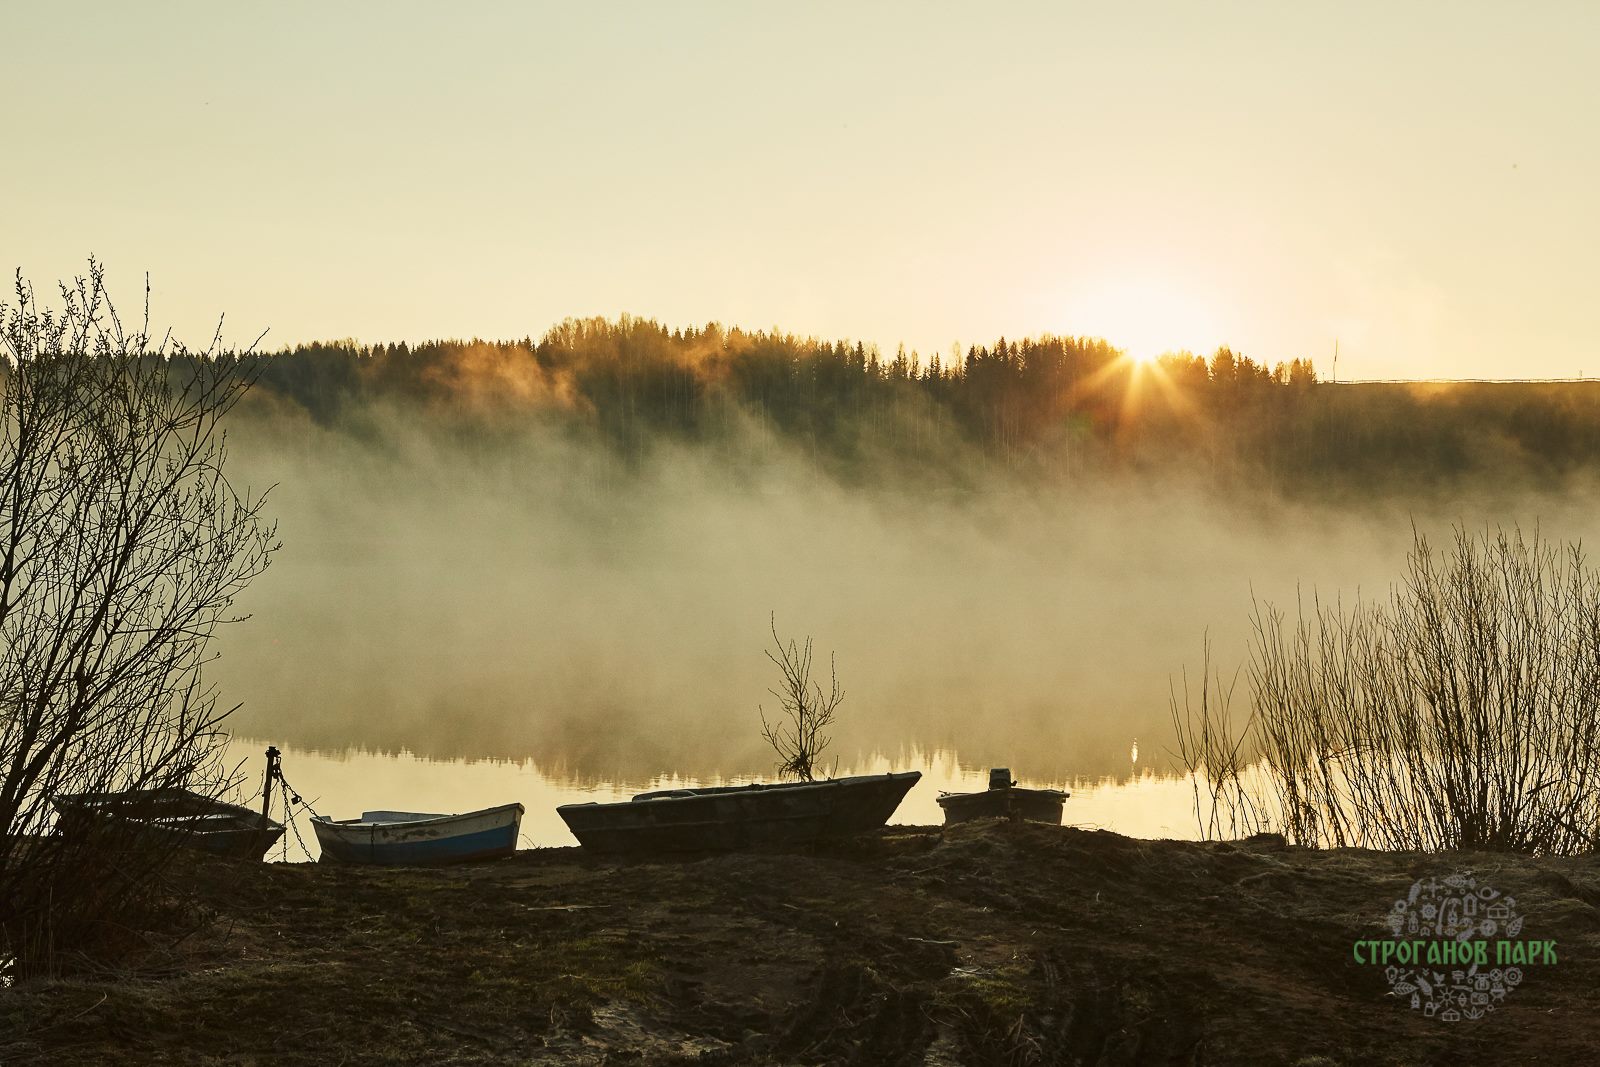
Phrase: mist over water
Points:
(529, 596)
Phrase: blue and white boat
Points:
(411, 838)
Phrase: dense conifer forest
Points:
(1043, 407)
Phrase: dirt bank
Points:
(990, 943)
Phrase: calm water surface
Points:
(344, 785)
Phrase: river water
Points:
(343, 785)
(455, 626)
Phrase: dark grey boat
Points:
(1003, 800)
(173, 815)
(739, 816)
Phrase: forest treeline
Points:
(1046, 406)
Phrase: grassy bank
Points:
(989, 943)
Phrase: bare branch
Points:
(797, 734)
(122, 549)
(1463, 712)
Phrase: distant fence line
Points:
(1463, 381)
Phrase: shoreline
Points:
(988, 942)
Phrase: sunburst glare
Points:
(1145, 317)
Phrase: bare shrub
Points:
(1216, 755)
(1461, 713)
(798, 736)
(122, 548)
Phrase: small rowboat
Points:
(738, 816)
(1004, 800)
(169, 816)
(410, 838)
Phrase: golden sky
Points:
(1416, 181)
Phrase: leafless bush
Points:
(797, 737)
(122, 548)
(1216, 754)
(1463, 712)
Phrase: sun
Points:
(1146, 317)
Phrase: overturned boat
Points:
(168, 816)
(1004, 800)
(739, 816)
(411, 838)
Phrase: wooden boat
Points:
(1004, 800)
(739, 816)
(171, 815)
(410, 838)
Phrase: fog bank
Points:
(527, 595)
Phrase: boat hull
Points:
(421, 841)
(160, 817)
(1029, 805)
(737, 817)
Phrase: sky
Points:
(1412, 182)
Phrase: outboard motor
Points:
(1000, 778)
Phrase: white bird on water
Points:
(1135, 750)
